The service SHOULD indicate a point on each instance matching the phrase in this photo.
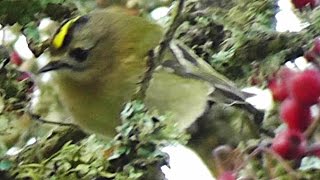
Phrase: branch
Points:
(155, 56)
(37, 118)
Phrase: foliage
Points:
(130, 155)
(14, 98)
(237, 38)
(24, 11)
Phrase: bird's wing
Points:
(185, 84)
(187, 63)
(183, 99)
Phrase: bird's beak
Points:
(53, 65)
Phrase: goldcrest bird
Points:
(98, 63)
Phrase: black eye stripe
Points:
(79, 54)
(82, 20)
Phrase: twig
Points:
(284, 164)
(155, 56)
(312, 128)
(4, 55)
(4, 63)
(37, 118)
(38, 49)
(169, 34)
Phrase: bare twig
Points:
(155, 56)
(169, 34)
(312, 128)
(38, 49)
(4, 63)
(284, 164)
(4, 56)
(37, 118)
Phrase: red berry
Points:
(278, 89)
(294, 115)
(289, 144)
(279, 84)
(316, 46)
(314, 3)
(299, 4)
(254, 80)
(23, 76)
(309, 56)
(227, 175)
(15, 58)
(305, 87)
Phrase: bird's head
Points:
(90, 46)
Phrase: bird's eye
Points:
(79, 54)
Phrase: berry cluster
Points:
(297, 92)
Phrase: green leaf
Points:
(32, 33)
(5, 165)
(120, 151)
(83, 168)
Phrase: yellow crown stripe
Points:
(59, 38)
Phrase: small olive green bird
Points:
(99, 60)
